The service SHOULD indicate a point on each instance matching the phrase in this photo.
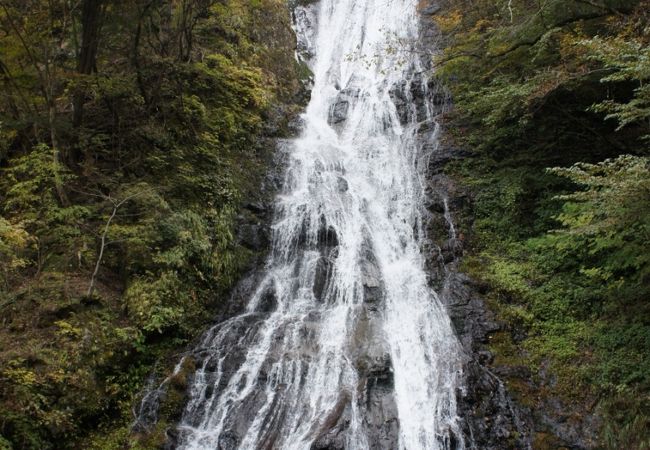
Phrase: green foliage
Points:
(563, 250)
(30, 196)
(157, 304)
(570, 272)
(14, 241)
(608, 223)
(138, 168)
(628, 406)
(512, 66)
(628, 60)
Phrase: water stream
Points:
(343, 344)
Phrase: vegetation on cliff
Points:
(553, 100)
(131, 132)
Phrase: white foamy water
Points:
(345, 284)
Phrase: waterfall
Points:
(343, 344)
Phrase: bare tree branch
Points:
(103, 240)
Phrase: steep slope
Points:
(560, 254)
(135, 138)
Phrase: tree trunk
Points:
(87, 63)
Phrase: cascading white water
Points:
(344, 285)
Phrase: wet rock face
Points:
(254, 233)
(327, 244)
(268, 301)
(339, 110)
(418, 98)
(305, 24)
(375, 392)
(382, 419)
(490, 419)
(488, 411)
(374, 369)
(373, 287)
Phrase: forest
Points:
(131, 135)
(553, 101)
(134, 136)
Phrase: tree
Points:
(116, 204)
(91, 15)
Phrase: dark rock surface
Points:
(491, 415)
(339, 110)
(490, 418)
(373, 286)
(253, 232)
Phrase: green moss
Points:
(546, 441)
(506, 352)
(586, 332)
(304, 72)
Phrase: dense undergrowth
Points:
(131, 132)
(553, 100)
